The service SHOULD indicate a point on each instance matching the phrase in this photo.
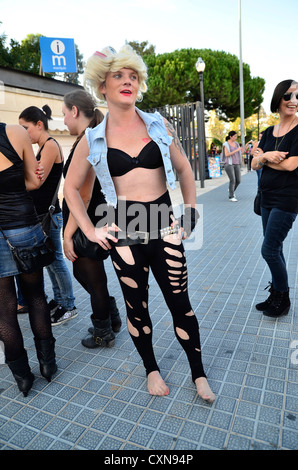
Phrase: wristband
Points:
(259, 161)
(189, 219)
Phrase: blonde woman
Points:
(132, 153)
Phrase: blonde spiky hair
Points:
(108, 60)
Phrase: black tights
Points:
(92, 277)
(167, 260)
(39, 313)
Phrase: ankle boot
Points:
(115, 317)
(22, 373)
(45, 349)
(279, 306)
(264, 305)
(102, 335)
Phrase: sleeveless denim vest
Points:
(98, 152)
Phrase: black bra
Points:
(121, 163)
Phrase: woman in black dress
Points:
(80, 111)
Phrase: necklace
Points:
(277, 137)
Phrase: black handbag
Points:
(257, 203)
(34, 258)
(86, 248)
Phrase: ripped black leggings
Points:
(166, 258)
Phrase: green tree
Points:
(173, 79)
(5, 59)
(216, 129)
(142, 48)
(26, 55)
(74, 77)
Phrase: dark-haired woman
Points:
(19, 223)
(233, 157)
(35, 121)
(277, 155)
(80, 111)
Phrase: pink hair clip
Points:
(100, 54)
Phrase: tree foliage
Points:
(142, 48)
(26, 55)
(173, 79)
(73, 77)
(5, 59)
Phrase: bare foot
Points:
(204, 391)
(156, 385)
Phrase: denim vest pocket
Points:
(94, 158)
(166, 139)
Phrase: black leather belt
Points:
(143, 238)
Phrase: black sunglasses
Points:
(288, 96)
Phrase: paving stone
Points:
(98, 399)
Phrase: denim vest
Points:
(98, 152)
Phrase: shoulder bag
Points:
(34, 258)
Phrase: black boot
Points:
(22, 373)
(279, 306)
(45, 349)
(264, 305)
(102, 335)
(115, 317)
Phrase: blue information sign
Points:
(58, 55)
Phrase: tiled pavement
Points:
(98, 398)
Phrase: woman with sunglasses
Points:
(277, 155)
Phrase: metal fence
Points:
(187, 122)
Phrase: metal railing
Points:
(186, 120)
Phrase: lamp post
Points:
(241, 84)
(200, 66)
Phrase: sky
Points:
(269, 28)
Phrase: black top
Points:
(120, 162)
(280, 188)
(16, 206)
(97, 199)
(43, 196)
